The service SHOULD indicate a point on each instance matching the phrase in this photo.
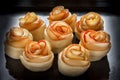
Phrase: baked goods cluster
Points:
(35, 43)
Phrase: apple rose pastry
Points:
(59, 13)
(59, 34)
(73, 60)
(91, 20)
(16, 40)
(34, 24)
(37, 56)
(97, 42)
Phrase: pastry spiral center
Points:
(35, 49)
(75, 55)
(17, 32)
(99, 36)
(29, 18)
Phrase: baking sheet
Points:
(105, 69)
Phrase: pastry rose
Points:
(34, 24)
(59, 13)
(59, 34)
(16, 40)
(73, 60)
(97, 42)
(91, 20)
(37, 56)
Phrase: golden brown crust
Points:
(18, 37)
(59, 34)
(91, 20)
(59, 13)
(58, 30)
(95, 40)
(30, 21)
(37, 51)
(73, 60)
(75, 55)
(37, 56)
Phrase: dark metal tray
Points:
(105, 69)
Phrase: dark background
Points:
(102, 70)
(46, 5)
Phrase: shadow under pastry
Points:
(98, 70)
(19, 72)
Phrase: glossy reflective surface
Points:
(105, 69)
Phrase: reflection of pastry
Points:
(59, 34)
(73, 60)
(59, 13)
(34, 24)
(16, 40)
(91, 20)
(37, 56)
(97, 42)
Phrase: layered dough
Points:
(90, 20)
(59, 13)
(16, 40)
(73, 60)
(34, 24)
(37, 56)
(59, 34)
(97, 42)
